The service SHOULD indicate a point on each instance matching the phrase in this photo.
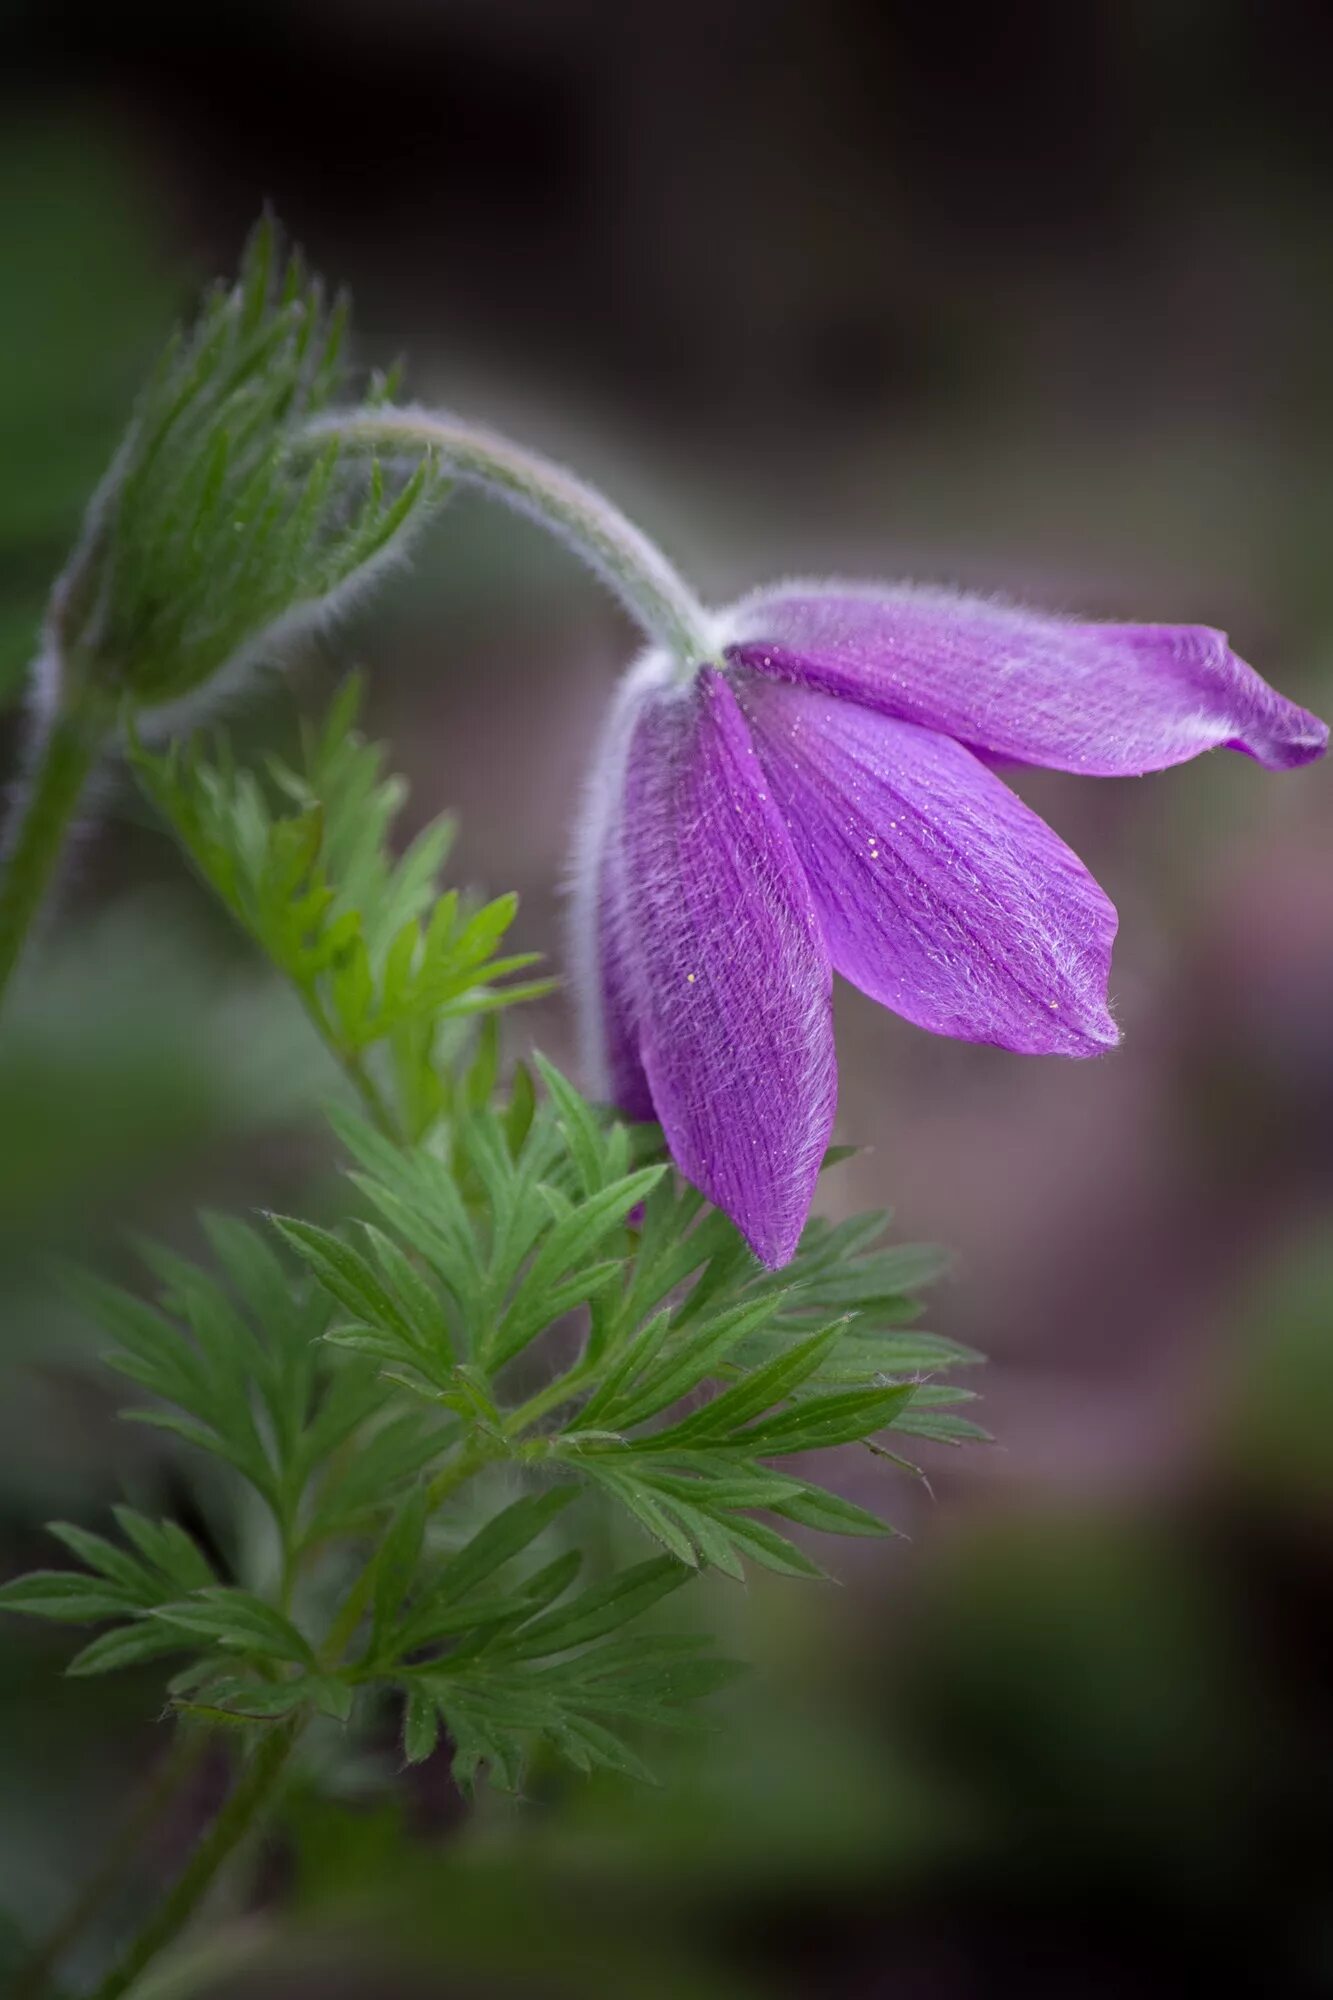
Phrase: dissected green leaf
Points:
(127, 1646)
(238, 1619)
(301, 857)
(68, 1595)
(506, 1535)
(421, 1726)
(598, 1611)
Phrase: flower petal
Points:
(1106, 700)
(941, 894)
(626, 1084)
(608, 1033)
(730, 978)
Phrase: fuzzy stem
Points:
(41, 820)
(654, 594)
(252, 1792)
(453, 1475)
(563, 1390)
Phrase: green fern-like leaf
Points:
(482, 1250)
(391, 970)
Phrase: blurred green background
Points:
(1033, 299)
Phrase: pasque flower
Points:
(818, 796)
(805, 785)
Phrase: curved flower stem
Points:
(654, 594)
(247, 1800)
(36, 836)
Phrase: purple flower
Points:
(819, 799)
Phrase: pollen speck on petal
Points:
(980, 923)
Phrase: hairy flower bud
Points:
(221, 530)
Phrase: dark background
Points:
(1033, 298)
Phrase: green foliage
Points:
(525, 1661)
(218, 530)
(524, 1294)
(432, 1343)
(517, 1292)
(237, 1370)
(302, 859)
(465, 1283)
